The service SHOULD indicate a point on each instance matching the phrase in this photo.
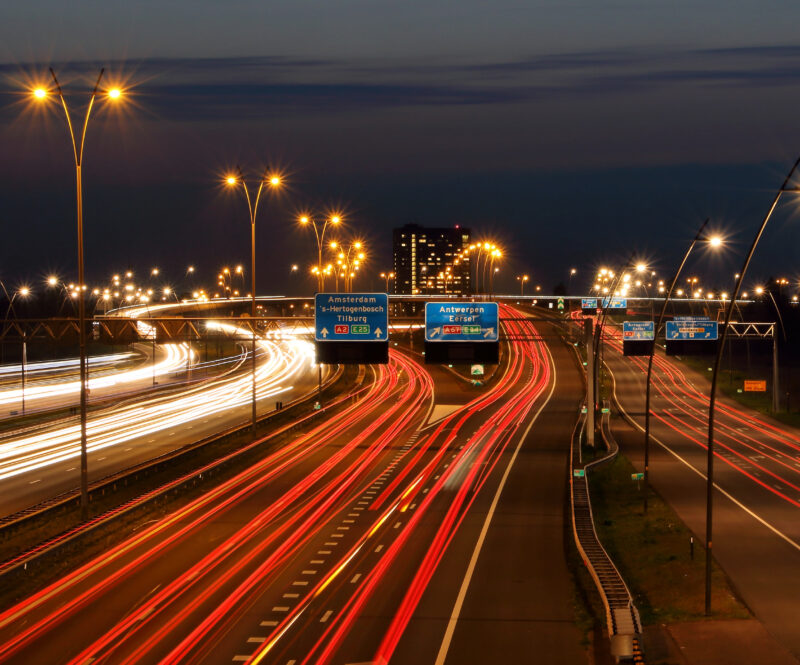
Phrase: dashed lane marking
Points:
(326, 616)
(355, 579)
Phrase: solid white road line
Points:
(735, 501)
(462, 592)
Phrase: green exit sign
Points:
(470, 330)
(637, 476)
(359, 330)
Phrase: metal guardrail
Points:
(622, 617)
(110, 482)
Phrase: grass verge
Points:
(652, 552)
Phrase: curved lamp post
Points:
(252, 208)
(712, 397)
(78, 141)
(714, 241)
(319, 233)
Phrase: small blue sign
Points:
(461, 322)
(638, 331)
(614, 303)
(588, 303)
(351, 317)
(702, 329)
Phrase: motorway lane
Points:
(234, 536)
(37, 463)
(519, 600)
(757, 473)
(377, 611)
(320, 553)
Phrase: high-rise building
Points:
(426, 260)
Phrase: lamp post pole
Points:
(652, 354)
(77, 150)
(715, 372)
(252, 208)
(320, 236)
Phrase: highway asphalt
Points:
(380, 535)
(39, 462)
(756, 535)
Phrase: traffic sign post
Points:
(351, 317)
(683, 329)
(691, 336)
(637, 337)
(614, 303)
(351, 328)
(462, 332)
(461, 322)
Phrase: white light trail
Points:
(283, 361)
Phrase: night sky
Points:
(574, 133)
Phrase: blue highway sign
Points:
(614, 303)
(692, 330)
(351, 317)
(643, 331)
(461, 322)
(588, 303)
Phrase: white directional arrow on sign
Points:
(489, 332)
(378, 332)
(435, 332)
(324, 332)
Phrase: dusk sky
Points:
(573, 132)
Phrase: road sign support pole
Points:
(775, 376)
(22, 375)
(590, 380)
(319, 377)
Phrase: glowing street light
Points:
(252, 207)
(319, 233)
(714, 242)
(41, 95)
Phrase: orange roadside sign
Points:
(755, 386)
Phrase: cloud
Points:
(200, 89)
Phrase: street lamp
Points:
(712, 397)
(320, 236)
(572, 273)
(114, 94)
(714, 242)
(252, 207)
(522, 279)
(386, 276)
